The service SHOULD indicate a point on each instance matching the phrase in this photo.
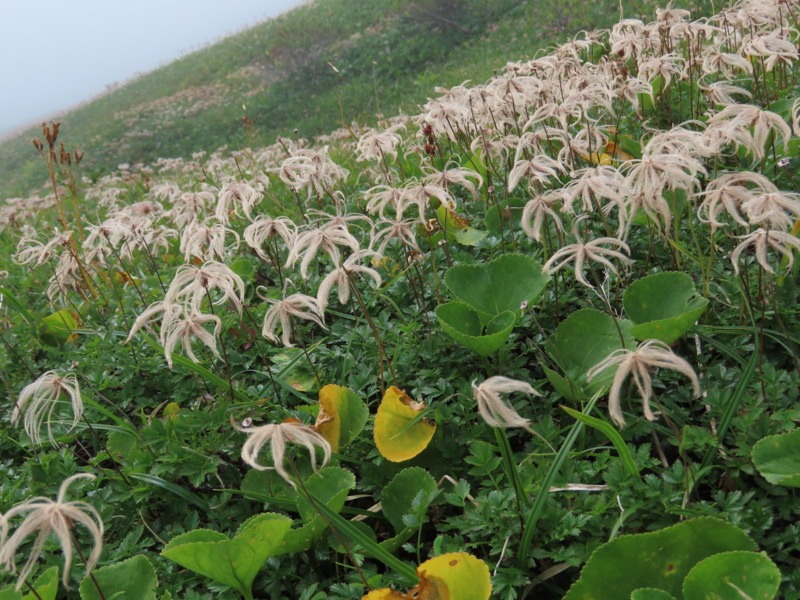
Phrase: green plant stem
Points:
(512, 472)
(90, 574)
(32, 590)
(381, 350)
(544, 492)
(224, 351)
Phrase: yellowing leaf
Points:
(59, 328)
(456, 575)
(171, 410)
(620, 154)
(596, 159)
(385, 594)
(453, 576)
(342, 415)
(399, 433)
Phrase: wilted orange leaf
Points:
(399, 434)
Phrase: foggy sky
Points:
(56, 54)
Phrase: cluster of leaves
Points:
(602, 227)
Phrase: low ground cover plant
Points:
(537, 340)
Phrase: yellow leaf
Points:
(385, 594)
(597, 159)
(453, 576)
(613, 149)
(341, 417)
(399, 433)
(456, 575)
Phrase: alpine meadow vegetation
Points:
(537, 338)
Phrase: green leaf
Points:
(46, 585)
(232, 562)
(504, 216)
(269, 487)
(777, 458)
(567, 389)
(651, 594)
(132, 579)
(11, 300)
(244, 269)
(611, 433)
(172, 488)
(329, 485)
(290, 367)
(393, 544)
(470, 236)
(733, 576)
(463, 324)
(399, 495)
(664, 306)
(368, 545)
(661, 559)
(581, 341)
(498, 286)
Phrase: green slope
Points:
(277, 78)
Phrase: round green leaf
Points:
(733, 576)
(664, 306)
(132, 579)
(463, 324)
(581, 341)
(659, 560)
(498, 286)
(399, 495)
(330, 486)
(244, 268)
(777, 458)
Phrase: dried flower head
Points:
(284, 311)
(278, 435)
(638, 363)
(44, 517)
(781, 242)
(592, 251)
(37, 403)
(491, 406)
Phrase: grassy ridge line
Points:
(389, 54)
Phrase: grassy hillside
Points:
(537, 338)
(277, 77)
